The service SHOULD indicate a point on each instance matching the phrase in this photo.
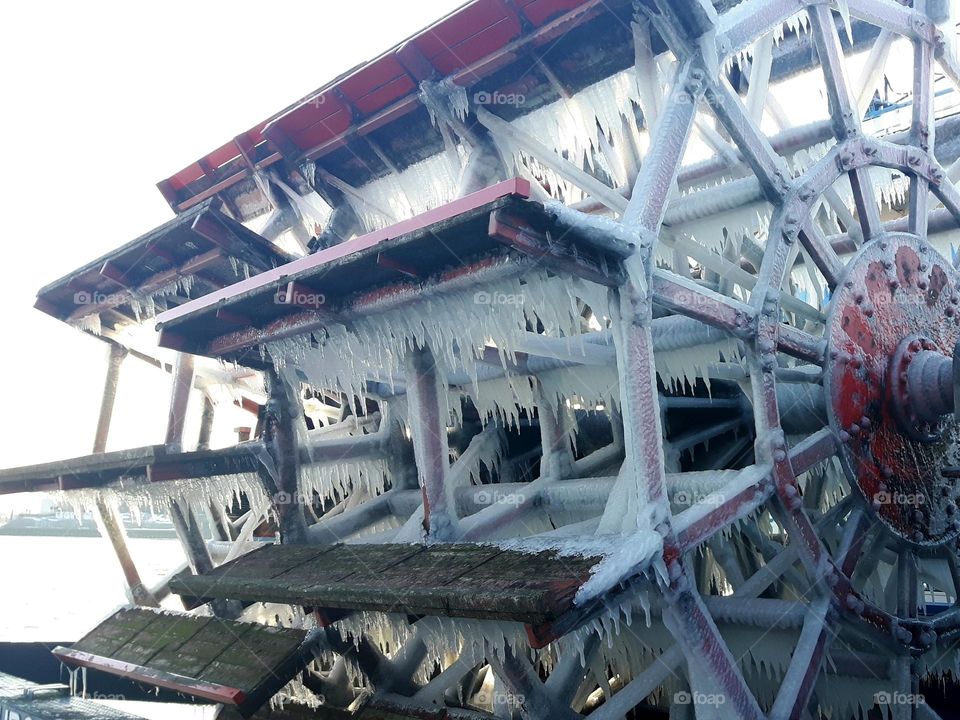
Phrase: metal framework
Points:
(715, 350)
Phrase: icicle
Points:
(458, 326)
(88, 323)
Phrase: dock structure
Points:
(599, 359)
(24, 700)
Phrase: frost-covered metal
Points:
(707, 336)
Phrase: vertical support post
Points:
(557, 458)
(220, 522)
(206, 423)
(194, 546)
(112, 529)
(179, 400)
(110, 524)
(427, 404)
(118, 354)
(280, 437)
(198, 555)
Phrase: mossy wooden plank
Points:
(437, 565)
(211, 658)
(263, 644)
(519, 605)
(348, 561)
(179, 654)
(213, 645)
(457, 580)
(240, 579)
(268, 561)
(224, 673)
(543, 567)
(166, 634)
(115, 632)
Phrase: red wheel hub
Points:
(898, 300)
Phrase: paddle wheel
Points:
(607, 355)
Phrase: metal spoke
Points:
(907, 583)
(953, 563)
(805, 665)
(870, 554)
(746, 492)
(767, 165)
(668, 140)
(641, 686)
(517, 673)
(893, 16)
(866, 203)
(948, 63)
(645, 67)
(821, 253)
(846, 218)
(843, 111)
(921, 129)
(728, 270)
(565, 679)
(946, 191)
(852, 541)
(511, 135)
(800, 344)
(684, 296)
(760, 76)
(813, 450)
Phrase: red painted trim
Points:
(483, 36)
(156, 678)
(539, 636)
(517, 187)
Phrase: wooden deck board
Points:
(458, 580)
(241, 664)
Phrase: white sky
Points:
(102, 100)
